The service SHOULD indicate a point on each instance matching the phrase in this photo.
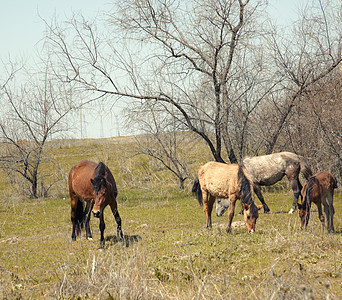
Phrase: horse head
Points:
(222, 204)
(250, 215)
(100, 188)
(304, 214)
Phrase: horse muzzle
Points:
(96, 214)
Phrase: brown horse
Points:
(94, 184)
(318, 189)
(267, 170)
(226, 181)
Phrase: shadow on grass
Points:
(129, 240)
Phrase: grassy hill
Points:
(167, 253)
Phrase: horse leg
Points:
(332, 211)
(75, 210)
(327, 214)
(74, 221)
(87, 214)
(102, 228)
(257, 191)
(206, 207)
(73, 233)
(210, 205)
(231, 209)
(296, 188)
(114, 208)
(320, 213)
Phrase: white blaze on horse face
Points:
(222, 204)
(99, 200)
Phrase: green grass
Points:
(168, 252)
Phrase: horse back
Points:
(219, 179)
(79, 179)
(322, 184)
(327, 181)
(266, 169)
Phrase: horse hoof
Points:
(120, 237)
(291, 210)
(89, 238)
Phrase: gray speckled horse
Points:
(266, 170)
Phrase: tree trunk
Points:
(34, 187)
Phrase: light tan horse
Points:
(318, 189)
(226, 181)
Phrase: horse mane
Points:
(246, 192)
(245, 187)
(307, 198)
(99, 175)
(100, 169)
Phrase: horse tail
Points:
(79, 213)
(246, 186)
(335, 186)
(196, 189)
(305, 167)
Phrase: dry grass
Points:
(168, 253)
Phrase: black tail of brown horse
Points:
(79, 217)
(335, 186)
(196, 189)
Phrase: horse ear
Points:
(246, 206)
(260, 206)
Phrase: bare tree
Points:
(187, 59)
(32, 113)
(213, 65)
(164, 140)
(307, 55)
(318, 131)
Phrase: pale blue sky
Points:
(21, 24)
(22, 28)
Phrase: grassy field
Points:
(167, 253)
